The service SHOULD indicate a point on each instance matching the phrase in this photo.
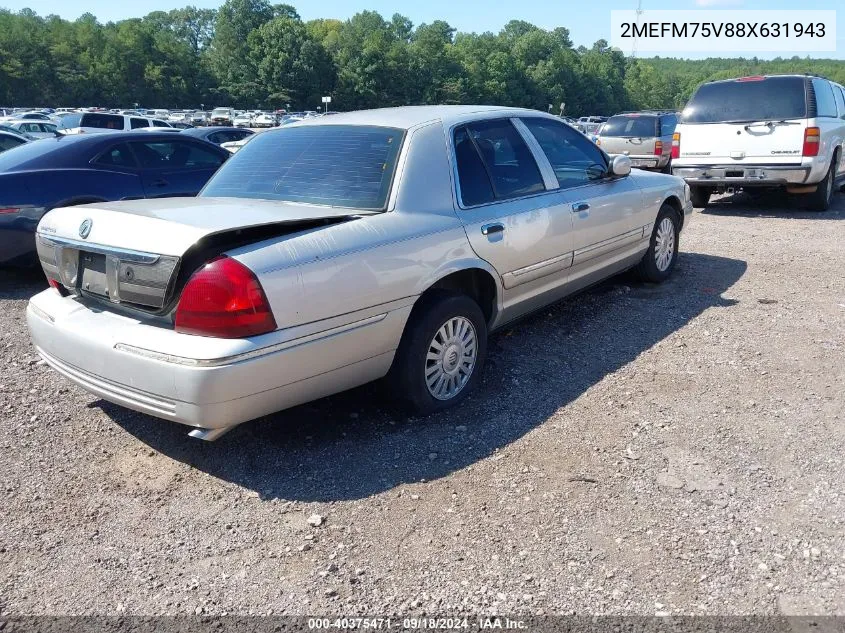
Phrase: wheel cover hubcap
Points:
(451, 358)
(664, 245)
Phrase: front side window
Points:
(574, 158)
(511, 169)
(157, 123)
(138, 123)
(334, 165)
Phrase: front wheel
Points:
(659, 260)
(441, 353)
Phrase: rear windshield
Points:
(335, 165)
(70, 121)
(772, 98)
(630, 126)
(104, 121)
(17, 157)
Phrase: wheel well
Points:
(673, 202)
(475, 283)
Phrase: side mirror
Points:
(620, 165)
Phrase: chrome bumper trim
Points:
(262, 351)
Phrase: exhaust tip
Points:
(210, 435)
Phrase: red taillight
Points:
(752, 78)
(8, 210)
(58, 286)
(676, 145)
(224, 299)
(658, 148)
(812, 138)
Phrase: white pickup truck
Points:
(784, 131)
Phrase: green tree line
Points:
(250, 53)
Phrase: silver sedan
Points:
(339, 250)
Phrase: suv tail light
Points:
(812, 138)
(223, 299)
(676, 145)
(658, 148)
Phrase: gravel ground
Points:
(638, 449)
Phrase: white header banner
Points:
(714, 31)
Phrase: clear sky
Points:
(587, 21)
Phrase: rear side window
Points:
(667, 124)
(747, 100)
(575, 159)
(117, 156)
(138, 123)
(336, 165)
(839, 94)
(157, 123)
(506, 158)
(825, 103)
(103, 121)
(630, 126)
(473, 179)
(174, 155)
(7, 141)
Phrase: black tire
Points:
(820, 199)
(700, 196)
(648, 268)
(407, 377)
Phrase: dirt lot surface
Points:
(638, 449)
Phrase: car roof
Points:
(406, 117)
(206, 131)
(68, 149)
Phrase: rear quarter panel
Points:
(70, 185)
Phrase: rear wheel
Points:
(659, 260)
(820, 199)
(441, 353)
(700, 196)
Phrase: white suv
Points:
(782, 131)
(92, 122)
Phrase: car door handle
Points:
(578, 207)
(161, 182)
(490, 229)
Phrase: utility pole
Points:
(639, 13)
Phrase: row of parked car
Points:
(753, 133)
(376, 244)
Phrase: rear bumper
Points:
(649, 161)
(744, 175)
(133, 365)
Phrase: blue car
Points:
(85, 168)
(218, 135)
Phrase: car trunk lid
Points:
(747, 142)
(135, 252)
